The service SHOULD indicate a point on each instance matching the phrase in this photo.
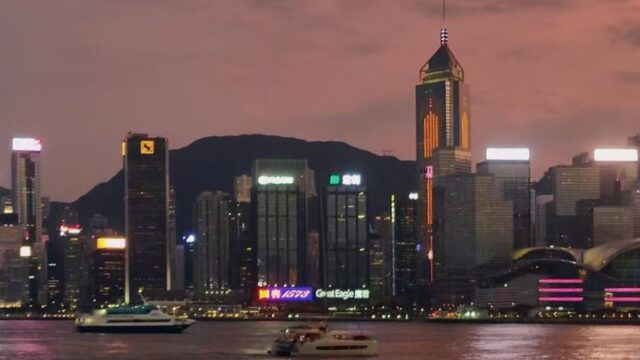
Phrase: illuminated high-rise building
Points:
(442, 139)
(14, 263)
(345, 249)
(406, 248)
(108, 271)
(279, 220)
(73, 266)
(26, 184)
(148, 255)
(510, 168)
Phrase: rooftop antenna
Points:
(444, 34)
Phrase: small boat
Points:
(318, 341)
(141, 319)
(284, 343)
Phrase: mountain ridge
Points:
(210, 163)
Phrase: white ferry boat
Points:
(318, 341)
(144, 318)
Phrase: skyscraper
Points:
(279, 216)
(346, 242)
(13, 263)
(442, 137)
(212, 257)
(478, 225)
(73, 267)
(406, 247)
(26, 183)
(108, 271)
(146, 174)
(511, 172)
(243, 245)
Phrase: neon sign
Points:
(25, 251)
(111, 243)
(26, 144)
(346, 179)
(285, 294)
(616, 155)
(428, 172)
(343, 294)
(275, 180)
(507, 154)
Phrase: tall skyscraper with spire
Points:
(442, 140)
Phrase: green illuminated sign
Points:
(334, 179)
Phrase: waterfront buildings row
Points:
(285, 231)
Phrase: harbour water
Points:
(34, 339)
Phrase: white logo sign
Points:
(275, 180)
(344, 294)
(351, 179)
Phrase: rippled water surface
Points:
(250, 340)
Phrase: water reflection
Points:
(251, 340)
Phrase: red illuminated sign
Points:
(285, 294)
(428, 172)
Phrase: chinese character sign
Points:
(285, 294)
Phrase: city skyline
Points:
(92, 90)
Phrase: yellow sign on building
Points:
(147, 147)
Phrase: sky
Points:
(558, 76)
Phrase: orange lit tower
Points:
(442, 139)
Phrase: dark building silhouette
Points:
(146, 178)
(212, 212)
(406, 248)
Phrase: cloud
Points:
(477, 7)
(632, 77)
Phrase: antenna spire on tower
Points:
(444, 34)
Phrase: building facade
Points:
(26, 184)
(442, 139)
(212, 211)
(148, 255)
(512, 181)
(346, 243)
(280, 192)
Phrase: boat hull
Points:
(344, 348)
(167, 329)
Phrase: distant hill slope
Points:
(211, 163)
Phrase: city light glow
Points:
(190, 239)
(616, 155)
(70, 230)
(343, 294)
(521, 154)
(26, 144)
(351, 179)
(413, 196)
(275, 180)
(622, 299)
(275, 293)
(111, 243)
(560, 290)
(25, 251)
(622, 290)
(560, 281)
(561, 299)
(428, 172)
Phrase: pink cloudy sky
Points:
(559, 76)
